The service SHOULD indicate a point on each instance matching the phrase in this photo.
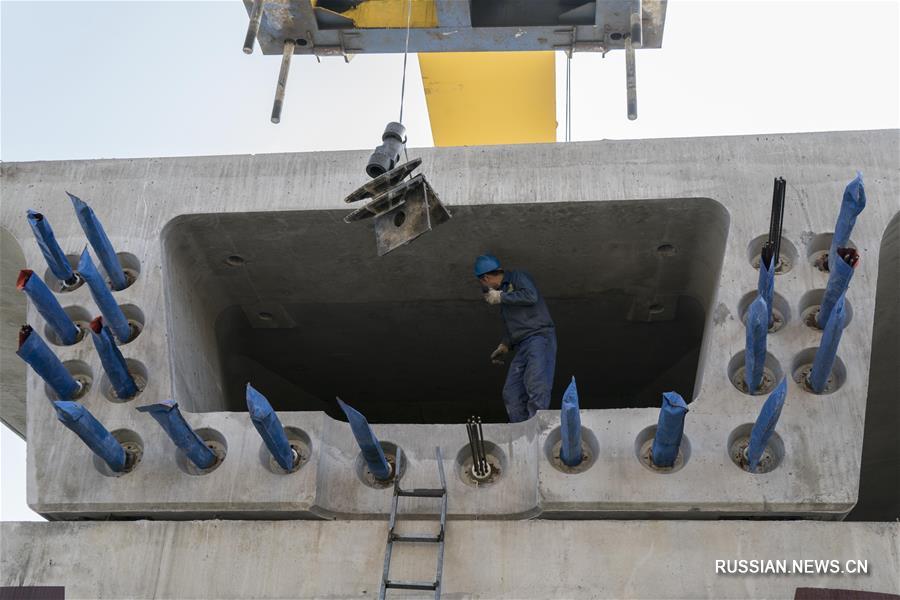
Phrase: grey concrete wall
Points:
(879, 486)
(822, 435)
(485, 559)
(12, 316)
(342, 321)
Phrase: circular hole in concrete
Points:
(399, 218)
(301, 42)
(739, 440)
(138, 372)
(82, 373)
(615, 36)
(215, 441)
(134, 451)
(131, 266)
(809, 309)
(772, 374)
(802, 365)
(666, 250)
(265, 316)
(390, 453)
(60, 286)
(590, 448)
(787, 257)
(300, 444)
(817, 250)
(82, 319)
(235, 260)
(135, 318)
(643, 450)
(496, 460)
(781, 310)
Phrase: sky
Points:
(122, 79)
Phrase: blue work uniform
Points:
(529, 331)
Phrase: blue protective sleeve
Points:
(840, 274)
(827, 351)
(171, 420)
(755, 349)
(853, 203)
(368, 443)
(79, 419)
(570, 428)
(269, 427)
(53, 254)
(113, 316)
(34, 351)
(47, 304)
(766, 286)
(99, 242)
(765, 424)
(669, 430)
(522, 292)
(112, 360)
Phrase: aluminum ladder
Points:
(393, 536)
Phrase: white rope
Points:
(568, 96)
(405, 53)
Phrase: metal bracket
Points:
(402, 210)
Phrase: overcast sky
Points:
(133, 79)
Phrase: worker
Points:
(528, 330)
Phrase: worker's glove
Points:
(498, 356)
(493, 296)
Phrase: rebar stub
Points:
(646, 457)
(768, 460)
(801, 377)
(77, 281)
(468, 476)
(487, 473)
(587, 458)
(299, 453)
(766, 385)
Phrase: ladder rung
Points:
(411, 585)
(416, 538)
(422, 493)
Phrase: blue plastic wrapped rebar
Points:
(669, 430)
(96, 235)
(172, 421)
(270, 429)
(827, 351)
(570, 428)
(112, 360)
(840, 273)
(113, 316)
(765, 285)
(765, 424)
(369, 445)
(853, 203)
(34, 351)
(755, 347)
(92, 432)
(47, 304)
(53, 254)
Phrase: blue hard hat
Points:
(485, 264)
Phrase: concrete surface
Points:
(600, 187)
(484, 559)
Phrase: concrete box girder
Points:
(136, 199)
